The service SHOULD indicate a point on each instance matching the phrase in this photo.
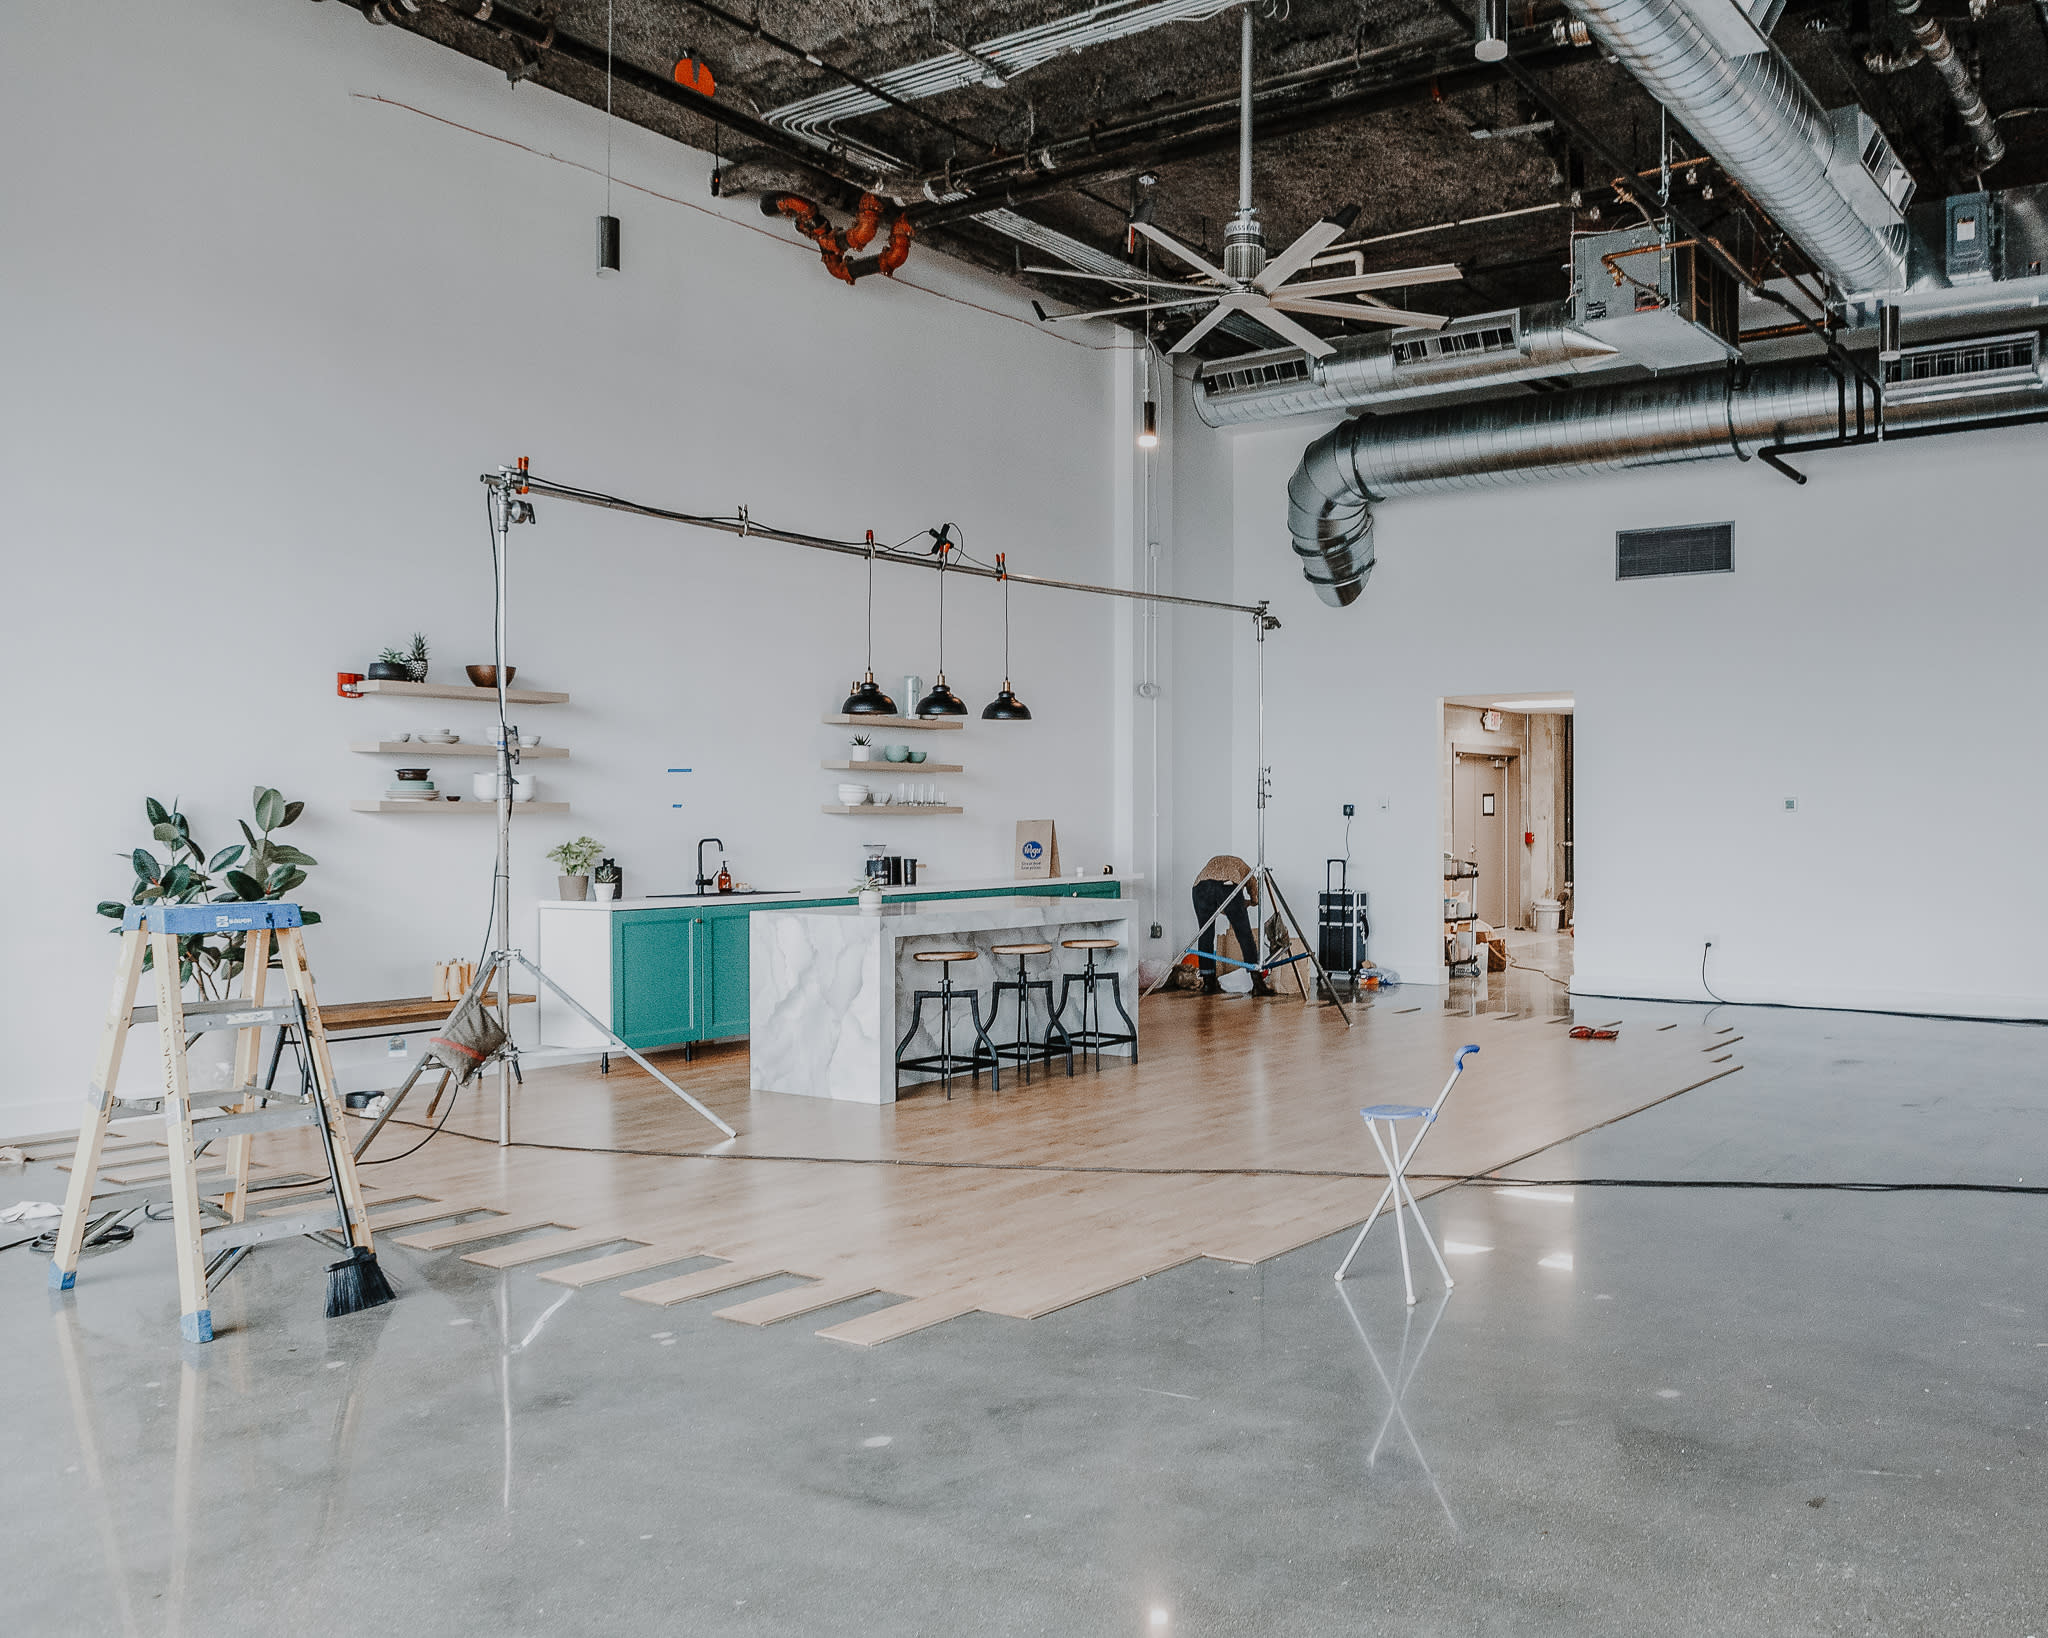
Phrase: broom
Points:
(356, 1282)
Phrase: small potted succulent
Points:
(869, 891)
(402, 664)
(859, 745)
(574, 860)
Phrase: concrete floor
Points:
(1668, 1411)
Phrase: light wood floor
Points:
(1235, 1137)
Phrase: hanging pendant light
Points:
(942, 701)
(867, 698)
(1006, 707)
(1148, 433)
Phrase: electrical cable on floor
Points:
(1704, 948)
(385, 1160)
(1565, 983)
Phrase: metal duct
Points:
(1599, 429)
(1757, 118)
(1532, 343)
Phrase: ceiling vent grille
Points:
(1243, 375)
(1962, 369)
(1495, 335)
(1688, 548)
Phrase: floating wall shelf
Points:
(869, 810)
(460, 691)
(425, 748)
(893, 767)
(445, 806)
(845, 721)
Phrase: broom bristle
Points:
(356, 1283)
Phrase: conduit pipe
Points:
(1598, 429)
(1936, 47)
(1757, 118)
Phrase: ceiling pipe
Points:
(1755, 116)
(1936, 47)
(1610, 428)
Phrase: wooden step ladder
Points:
(192, 1120)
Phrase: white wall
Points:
(272, 308)
(1874, 654)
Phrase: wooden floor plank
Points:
(483, 1228)
(545, 1245)
(704, 1283)
(621, 1263)
(431, 1211)
(801, 1299)
(887, 1324)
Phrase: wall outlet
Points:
(394, 1046)
(1383, 803)
(1350, 808)
(1158, 931)
(1791, 804)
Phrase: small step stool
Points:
(192, 1120)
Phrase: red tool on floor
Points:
(1586, 1032)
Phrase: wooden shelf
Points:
(423, 748)
(466, 805)
(844, 721)
(893, 767)
(460, 691)
(870, 810)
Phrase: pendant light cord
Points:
(942, 612)
(871, 602)
(1003, 570)
(609, 13)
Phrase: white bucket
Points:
(1545, 915)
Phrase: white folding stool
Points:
(1397, 1160)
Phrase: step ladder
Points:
(209, 1234)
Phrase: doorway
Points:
(1485, 797)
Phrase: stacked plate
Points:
(412, 790)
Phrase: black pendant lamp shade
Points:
(867, 699)
(1006, 707)
(941, 701)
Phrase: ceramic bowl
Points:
(895, 753)
(913, 756)
(852, 796)
(414, 773)
(486, 676)
(528, 741)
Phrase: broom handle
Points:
(326, 1134)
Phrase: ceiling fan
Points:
(1247, 282)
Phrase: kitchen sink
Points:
(736, 893)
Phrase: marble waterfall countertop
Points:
(768, 900)
(830, 988)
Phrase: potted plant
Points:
(869, 891)
(574, 860)
(407, 664)
(859, 744)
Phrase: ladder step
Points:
(259, 1120)
(201, 1015)
(269, 1228)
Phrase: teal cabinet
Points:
(682, 975)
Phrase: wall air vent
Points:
(1495, 333)
(1688, 548)
(1273, 369)
(1963, 369)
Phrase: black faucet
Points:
(704, 882)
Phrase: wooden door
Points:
(1479, 833)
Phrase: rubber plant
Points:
(252, 870)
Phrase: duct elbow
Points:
(1329, 514)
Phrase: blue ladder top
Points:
(182, 919)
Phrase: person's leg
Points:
(1208, 896)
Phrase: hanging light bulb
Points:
(1148, 434)
(867, 699)
(942, 701)
(1006, 707)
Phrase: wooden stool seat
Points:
(945, 955)
(1020, 949)
(1089, 943)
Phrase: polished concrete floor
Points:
(1643, 1411)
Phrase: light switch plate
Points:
(1791, 804)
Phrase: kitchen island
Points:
(831, 986)
(674, 970)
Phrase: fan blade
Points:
(1129, 307)
(1370, 312)
(1299, 254)
(1217, 314)
(1297, 334)
(1195, 292)
(1442, 273)
(1168, 242)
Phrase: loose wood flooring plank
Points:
(887, 1324)
(620, 1264)
(802, 1299)
(408, 1216)
(484, 1228)
(543, 1246)
(704, 1283)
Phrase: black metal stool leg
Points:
(1116, 994)
(995, 1064)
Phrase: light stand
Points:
(505, 500)
(1262, 874)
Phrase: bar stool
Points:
(946, 1061)
(1091, 1032)
(1023, 1049)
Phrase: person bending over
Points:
(1213, 886)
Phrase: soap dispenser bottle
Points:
(724, 883)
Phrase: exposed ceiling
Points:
(1371, 103)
